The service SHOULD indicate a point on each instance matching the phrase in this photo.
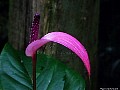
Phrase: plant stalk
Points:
(34, 71)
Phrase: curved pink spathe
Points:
(63, 39)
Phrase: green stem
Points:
(34, 70)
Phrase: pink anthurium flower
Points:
(58, 37)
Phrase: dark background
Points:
(108, 38)
(109, 44)
(4, 12)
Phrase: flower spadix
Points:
(63, 39)
(34, 28)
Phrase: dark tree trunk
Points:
(76, 17)
(20, 19)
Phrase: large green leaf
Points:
(16, 73)
(57, 76)
(13, 74)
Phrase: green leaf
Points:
(16, 72)
(56, 76)
(13, 74)
(27, 62)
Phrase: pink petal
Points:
(64, 39)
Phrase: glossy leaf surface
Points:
(15, 73)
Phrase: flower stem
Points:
(34, 71)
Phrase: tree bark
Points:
(76, 17)
(20, 20)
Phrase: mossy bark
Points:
(76, 17)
